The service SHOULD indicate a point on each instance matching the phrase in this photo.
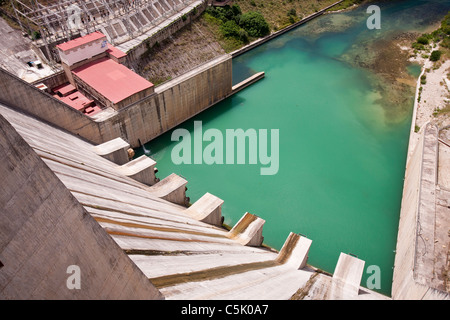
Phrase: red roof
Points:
(115, 52)
(80, 41)
(76, 100)
(65, 89)
(111, 79)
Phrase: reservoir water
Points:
(343, 133)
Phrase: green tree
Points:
(292, 12)
(445, 24)
(254, 23)
(435, 55)
(230, 29)
(236, 10)
(243, 35)
(423, 40)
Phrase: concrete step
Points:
(155, 265)
(270, 283)
(141, 169)
(114, 150)
(295, 251)
(248, 230)
(207, 209)
(347, 276)
(171, 188)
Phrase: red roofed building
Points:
(93, 66)
(113, 84)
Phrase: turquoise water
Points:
(341, 159)
(414, 69)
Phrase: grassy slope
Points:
(276, 13)
(189, 47)
(203, 40)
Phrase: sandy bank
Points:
(432, 96)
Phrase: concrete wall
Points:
(403, 283)
(18, 94)
(83, 52)
(54, 80)
(414, 259)
(45, 230)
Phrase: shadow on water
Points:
(241, 71)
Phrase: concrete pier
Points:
(295, 251)
(171, 188)
(247, 82)
(114, 150)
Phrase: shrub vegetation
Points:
(428, 40)
(435, 55)
(236, 26)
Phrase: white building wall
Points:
(87, 51)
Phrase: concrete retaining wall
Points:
(403, 283)
(19, 94)
(414, 259)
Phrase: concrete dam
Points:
(64, 202)
(70, 202)
(71, 197)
